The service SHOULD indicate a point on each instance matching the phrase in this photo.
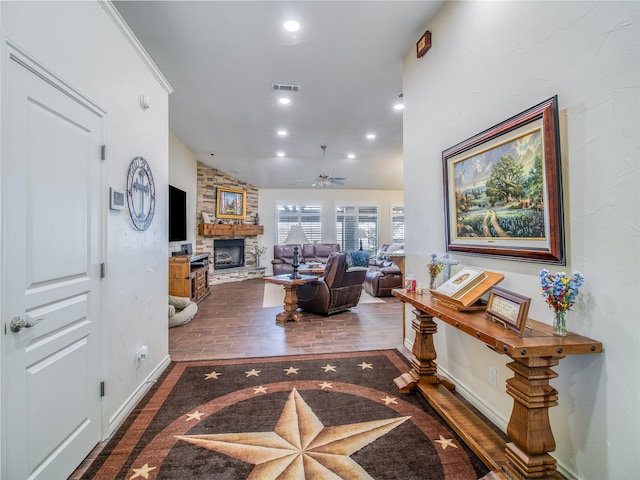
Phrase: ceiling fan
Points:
(323, 179)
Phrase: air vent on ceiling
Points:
(284, 87)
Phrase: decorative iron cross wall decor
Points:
(140, 185)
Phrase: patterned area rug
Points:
(274, 296)
(335, 416)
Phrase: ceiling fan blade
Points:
(336, 181)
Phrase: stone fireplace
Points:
(228, 253)
(239, 264)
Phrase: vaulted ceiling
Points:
(223, 57)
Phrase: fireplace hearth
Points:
(228, 253)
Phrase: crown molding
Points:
(135, 43)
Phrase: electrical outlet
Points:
(493, 377)
(141, 354)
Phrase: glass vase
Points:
(432, 283)
(559, 324)
(257, 260)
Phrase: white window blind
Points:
(355, 223)
(397, 224)
(309, 216)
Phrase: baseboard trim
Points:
(129, 404)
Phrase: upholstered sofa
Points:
(338, 290)
(307, 253)
(383, 274)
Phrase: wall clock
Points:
(141, 193)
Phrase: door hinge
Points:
(103, 152)
(102, 389)
(102, 270)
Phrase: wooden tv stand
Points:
(533, 355)
(189, 276)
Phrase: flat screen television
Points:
(177, 214)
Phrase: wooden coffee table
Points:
(290, 295)
(316, 269)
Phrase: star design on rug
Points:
(253, 372)
(259, 389)
(446, 442)
(329, 368)
(324, 385)
(291, 370)
(364, 365)
(194, 416)
(213, 375)
(142, 472)
(300, 446)
(387, 400)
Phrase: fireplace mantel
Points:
(223, 229)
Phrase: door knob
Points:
(18, 323)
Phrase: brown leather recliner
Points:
(383, 276)
(337, 291)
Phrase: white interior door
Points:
(51, 221)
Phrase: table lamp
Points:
(361, 234)
(297, 237)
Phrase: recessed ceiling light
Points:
(280, 154)
(284, 101)
(371, 136)
(291, 26)
(398, 106)
(282, 133)
(351, 155)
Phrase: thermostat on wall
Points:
(116, 198)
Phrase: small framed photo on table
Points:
(508, 308)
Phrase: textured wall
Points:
(80, 42)
(490, 61)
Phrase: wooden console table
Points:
(527, 455)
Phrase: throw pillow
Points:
(357, 258)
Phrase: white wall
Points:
(183, 172)
(268, 199)
(80, 42)
(490, 61)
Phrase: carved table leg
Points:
(423, 367)
(529, 426)
(290, 306)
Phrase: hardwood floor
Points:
(231, 323)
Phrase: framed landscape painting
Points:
(231, 203)
(503, 190)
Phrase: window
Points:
(397, 224)
(309, 216)
(356, 223)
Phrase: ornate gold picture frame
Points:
(231, 203)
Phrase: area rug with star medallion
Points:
(335, 416)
